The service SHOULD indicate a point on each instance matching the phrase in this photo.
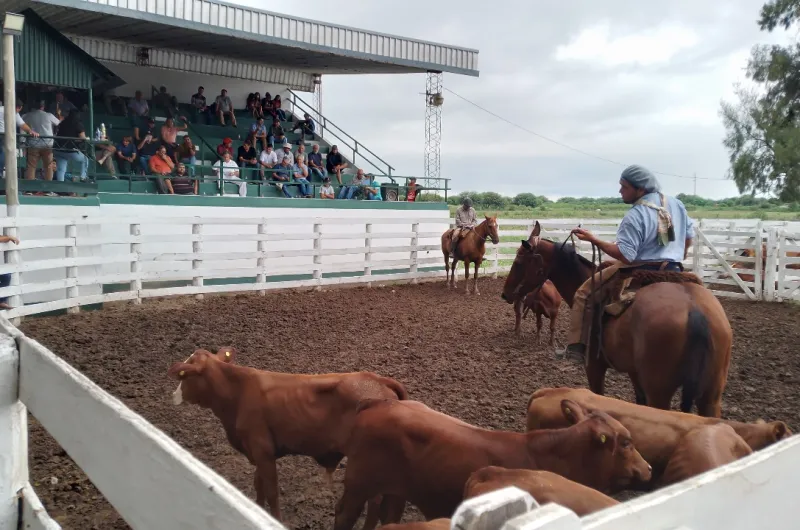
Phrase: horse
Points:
(674, 334)
(543, 302)
(470, 249)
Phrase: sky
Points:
(626, 80)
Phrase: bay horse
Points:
(673, 335)
(470, 249)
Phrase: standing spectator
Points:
(267, 160)
(258, 131)
(372, 188)
(199, 105)
(180, 183)
(276, 133)
(286, 152)
(139, 111)
(126, 154)
(19, 123)
(147, 146)
(43, 123)
(61, 106)
(306, 126)
(169, 135)
(71, 150)
(315, 162)
(326, 191)
(347, 192)
(335, 163)
(230, 171)
(248, 160)
(412, 190)
(225, 147)
(224, 107)
(276, 108)
(186, 153)
(282, 175)
(301, 176)
(5, 279)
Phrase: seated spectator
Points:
(276, 133)
(140, 110)
(347, 192)
(301, 176)
(267, 160)
(286, 152)
(230, 171)
(104, 154)
(247, 158)
(160, 164)
(266, 106)
(126, 154)
(413, 190)
(301, 151)
(166, 101)
(326, 191)
(199, 105)
(169, 135)
(70, 150)
(372, 188)
(258, 131)
(283, 175)
(41, 148)
(148, 146)
(181, 183)
(225, 147)
(315, 162)
(335, 163)
(186, 153)
(305, 126)
(110, 96)
(61, 106)
(254, 105)
(224, 107)
(276, 108)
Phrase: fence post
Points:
(758, 275)
(414, 253)
(496, 254)
(71, 232)
(781, 265)
(262, 260)
(13, 435)
(368, 253)
(13, 257)
(491, 510)
(697, 252)
(771, 265)
(136, 248)
(317, 255)
(197, 248)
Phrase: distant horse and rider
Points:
(467, 242)
(667, 332)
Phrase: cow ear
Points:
(537, 229)
(572, 411)
(181, 371)
(526, 244)
(227, 354)
(780, 430)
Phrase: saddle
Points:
(629, 280)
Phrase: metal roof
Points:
(216, 28)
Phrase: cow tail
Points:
(695, 357)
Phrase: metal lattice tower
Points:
(433, 131)
(318, 93)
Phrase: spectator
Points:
(139, 111)
(230, 171)
(161, 164)
(181, 183)
(147, 146)
(412, 190)
(335, 163)
(286, 152)
(267, 160)
(110, 96)
(301, 176)
(20, 123)
(5, 279)
(372, 188)
(283, 175)
(276, 133)
(247, 157)
(266, 105)
(126, 154)
(61, 106)
(315, 162)
(258, 131)
(199, 105)
(254, 105)
(169, 135)
(186, 153)
(326, 191)
(224, 107)
(43, 123)
(276, 108)
(105, 159)
(225, 147)
(301, 151)
(166, 101)
(306, 126)
(347, 192)
(70, 150)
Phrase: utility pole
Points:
(12, 28)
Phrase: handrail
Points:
(325, 123)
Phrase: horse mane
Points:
(569, 260)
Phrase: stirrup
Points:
(573, 352)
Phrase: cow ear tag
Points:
(182, 373)
(602, 438)
(227, 354)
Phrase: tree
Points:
(529, 200)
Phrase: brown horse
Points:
(470, 249)
(672, 335)
(544, 301)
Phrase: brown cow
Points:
(543, 302)
(751, 253)
(655, 432)
(267, 415)
(544, 486)
(702, 449)
(436, 524)
(407, 451)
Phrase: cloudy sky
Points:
(628, 80)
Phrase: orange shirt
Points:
(159, 166)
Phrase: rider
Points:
(655, 230)
(466, 219)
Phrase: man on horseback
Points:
(655, 234)
(465, 221)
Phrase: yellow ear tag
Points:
(181, 373)
(568, 411)
(602, 438)
(227, 354)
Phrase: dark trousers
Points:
(5, 281)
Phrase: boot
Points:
(573, 352)
(453, 245)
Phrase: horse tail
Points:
(695, 356)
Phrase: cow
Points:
(751, 253)
(267, 415)
(543, 302)
(655, 432)
(436, 524)
(702, 449)
(404, 450)
(544, 486)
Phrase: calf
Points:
(702, 449)
(543, 302)
(655, 432)
(267, 415)
(543, 486)
(406, 451)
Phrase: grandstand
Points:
(125, 46)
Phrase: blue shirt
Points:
(637, 233)
(126, 150)
(258, 130)
(377, 186)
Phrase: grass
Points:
(616, 211)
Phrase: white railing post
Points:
(781, 265)
(368, 253)
(262, 260)
(758, 266)
(771, 264)
(697, 251)
(13, 436)
(197, 248)
(492, 510)
(71, 232)
(136, 248)
(414, 253)
(13, 257)
(318, 255)
(496, 254)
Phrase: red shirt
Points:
(411, 194)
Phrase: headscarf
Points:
(466, 203)
(641, 178)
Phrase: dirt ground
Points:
(456, 353)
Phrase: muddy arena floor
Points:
(455, 353)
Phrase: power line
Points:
(585, 153)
